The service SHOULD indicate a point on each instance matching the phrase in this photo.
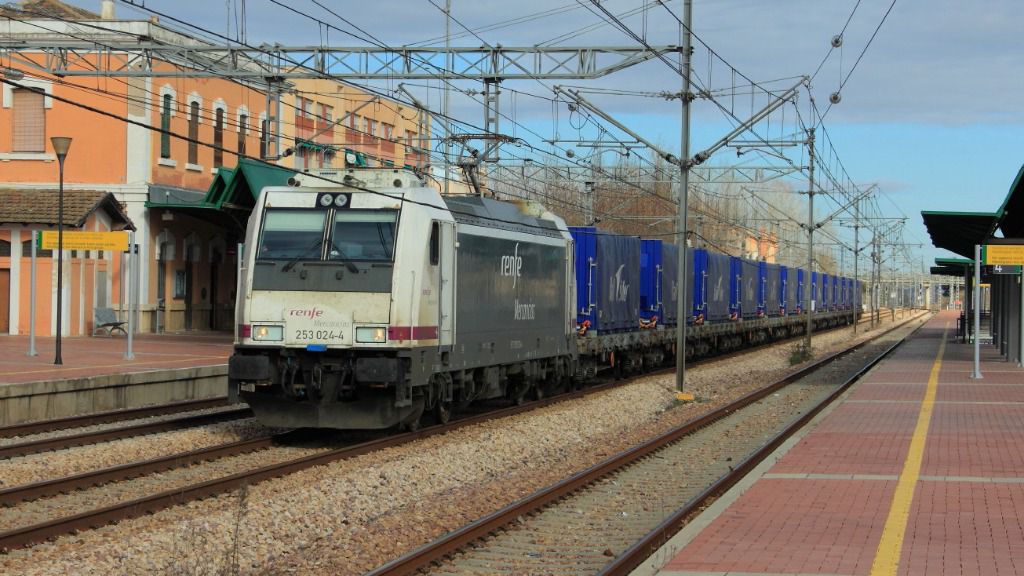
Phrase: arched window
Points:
(26, 250)
(218, 139)
(193, 133)
(165, 125)
(263, 139)
(243, 128)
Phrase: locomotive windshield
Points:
(363, 235)
(353, 235)
(291, 234)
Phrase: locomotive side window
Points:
(363, 235)
(435, 244)
(291, 234)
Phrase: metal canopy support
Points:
(977, 312)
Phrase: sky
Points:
(931, 112)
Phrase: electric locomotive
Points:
(369, 301)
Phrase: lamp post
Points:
(60, 147)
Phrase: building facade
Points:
(164, 147)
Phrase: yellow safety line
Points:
(887, 557)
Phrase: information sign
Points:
(76, 240)
(1000, 269)
(1005, 254)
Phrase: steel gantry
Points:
(118, 55)
(123, 48)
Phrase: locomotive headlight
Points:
(372, 335)
(263, 332)
(326, 200)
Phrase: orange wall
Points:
(98, 148)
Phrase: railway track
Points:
(41, 531)
(118, 433)
(40, 426)
(609, 518)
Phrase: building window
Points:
(243, 127)
(29, 125)
(388, 130)
(263, 139)
(165, 125)
(353, 121)
(218, 139)
(193, 133)
(307, 107)
(326, 112)
(5, 248)
(371, 127)
(26, 250)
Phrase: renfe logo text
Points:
(306, 313)
(512, 265)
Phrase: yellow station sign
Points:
(1004, 254)
(75, 240)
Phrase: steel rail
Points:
(36, 533)
(39, 426)
(60, 442)
(15, 494)
(457, 539)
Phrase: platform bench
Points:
(106, 320)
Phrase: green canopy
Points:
(232, 194)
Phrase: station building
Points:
(181, 157)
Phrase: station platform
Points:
(918, 470)
(96, 377)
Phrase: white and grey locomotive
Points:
(367, 306)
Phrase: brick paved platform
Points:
(85, 356)
(96, 377)
(891, 481)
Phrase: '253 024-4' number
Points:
(317, 335)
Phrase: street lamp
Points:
(60, 147)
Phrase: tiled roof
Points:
(51, 8)
(23, 206)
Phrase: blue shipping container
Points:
(771, 289)
(800, 293)
(750, 277)
(651, 271)
(670, 284)
(715, 283)
(607, 280)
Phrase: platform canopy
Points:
(951, 266)
(959, 232)
(231, 195)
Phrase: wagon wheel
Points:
(441, 410)
(538, 390)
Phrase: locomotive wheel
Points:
(410, 425)
(412, 422)
(442, 412)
